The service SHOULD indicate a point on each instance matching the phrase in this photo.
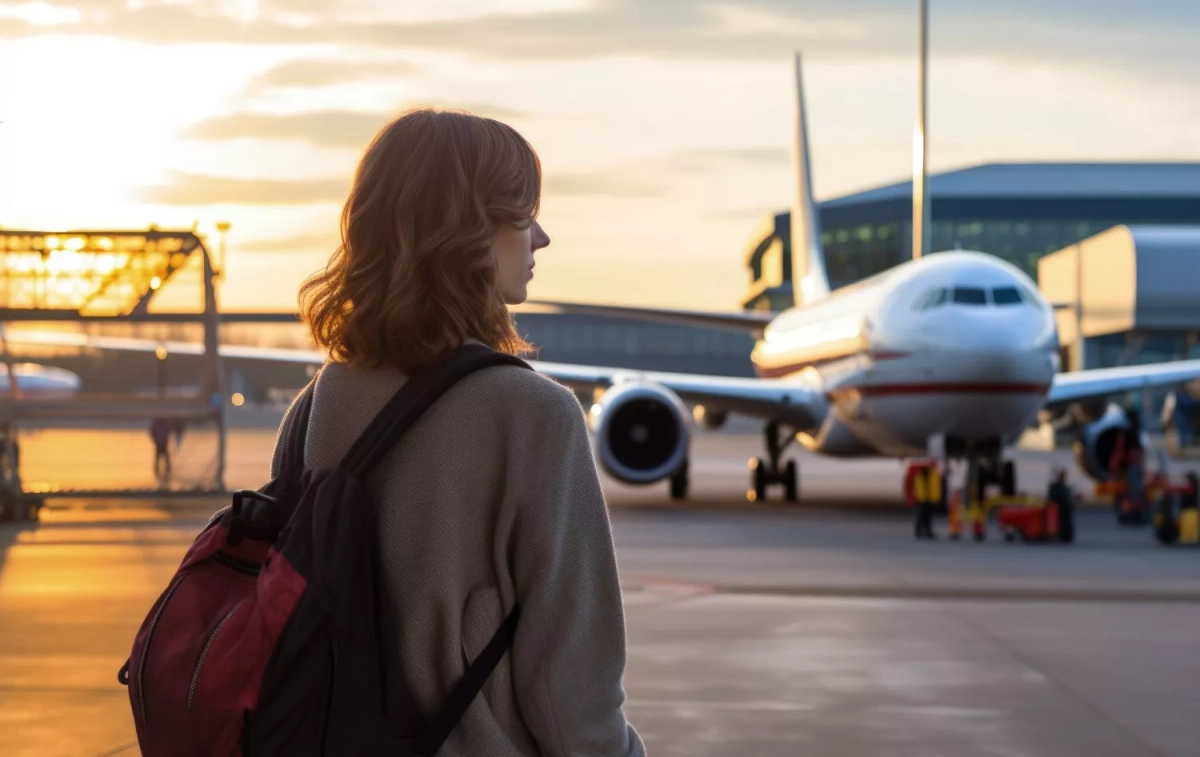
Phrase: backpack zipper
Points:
(146, 648)
(204, 653)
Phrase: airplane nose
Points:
(991, 332)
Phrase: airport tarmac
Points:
(752, 629)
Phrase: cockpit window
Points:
(970, 296)
(1007, 296)
(930, 299)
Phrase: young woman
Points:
(492, 499)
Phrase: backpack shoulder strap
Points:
(438, 729)
(414, 398)
(293, 451)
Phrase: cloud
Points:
(599, 183)
(663, 29)
(307, 241)
(330, 128)
(339, 129)
(1160, 35)
(694, 161)
(325, 72)
(203, 189)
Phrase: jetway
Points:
(1124, 291)
(1130, 295)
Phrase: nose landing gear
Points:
(679, 482)
(763, 473)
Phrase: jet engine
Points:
(1098, 442)
(642, 432)
(1073, 416)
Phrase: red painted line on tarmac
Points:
(674, 586)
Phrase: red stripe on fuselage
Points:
(892, 390)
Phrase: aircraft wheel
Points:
(679, 483)
(758, 481)
(790, 482)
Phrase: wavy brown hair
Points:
(415, 275)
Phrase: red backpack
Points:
(273, 637)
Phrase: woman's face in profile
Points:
(514, 248)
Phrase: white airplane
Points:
(956, 346)
(36, 380)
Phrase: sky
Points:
(662, 125)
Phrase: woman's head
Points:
(438, 236)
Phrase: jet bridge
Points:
(105, 276)
(1129, 294)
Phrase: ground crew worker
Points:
(1189, 514)
(927, 490)
(1061, 495)
(160, 434)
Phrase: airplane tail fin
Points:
(809, 281)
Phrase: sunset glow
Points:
(663, 133)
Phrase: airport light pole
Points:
(921, 224)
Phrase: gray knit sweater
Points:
(492, 499)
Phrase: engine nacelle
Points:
(1074, 415)
(642, 432)
(1098, 442)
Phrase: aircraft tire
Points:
(679, 483)
(790, 482)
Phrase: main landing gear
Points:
(982, 474)
(766, 472)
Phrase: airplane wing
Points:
(747, 322)
(1098, 382)
(792, 402)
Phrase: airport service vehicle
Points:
(956, 351)
(1032, 521)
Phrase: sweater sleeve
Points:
(568, 655)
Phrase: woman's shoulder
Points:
(521, 389)
(517, 394)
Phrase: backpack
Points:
(273, 637)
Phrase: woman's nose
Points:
(540, 238)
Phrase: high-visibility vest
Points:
(935, 485)
(921, 486)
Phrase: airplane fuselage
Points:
(41, 381)
(959, 344)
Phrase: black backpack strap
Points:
(414, 398)
(438, 729)
(293, 451)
